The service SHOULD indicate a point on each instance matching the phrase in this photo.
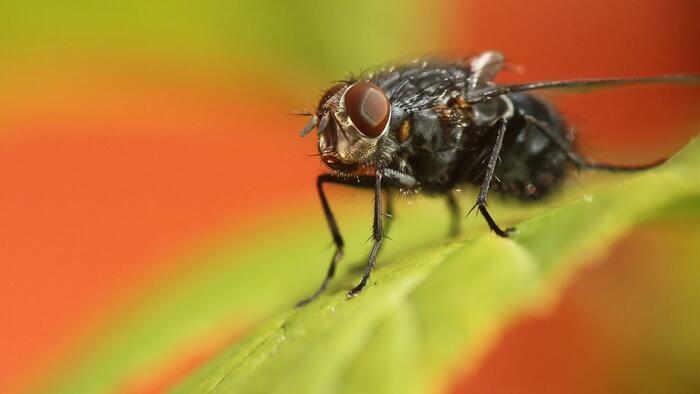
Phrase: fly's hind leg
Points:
(502, 124)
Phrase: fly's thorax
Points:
(353, 119)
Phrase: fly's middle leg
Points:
(455, 218)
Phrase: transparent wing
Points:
(580, 85)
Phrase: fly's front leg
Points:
(397, 180)
(362, 182)
(486, 183)
(388, 210)
(377, 235)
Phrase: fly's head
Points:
(351, 120)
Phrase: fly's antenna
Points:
(309, 126)
(582, 84)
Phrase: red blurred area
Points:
(573, 349)
(99, 189)
(599, 38)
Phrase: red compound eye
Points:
(368, 108)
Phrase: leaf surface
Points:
(429, 308)
(433, 304)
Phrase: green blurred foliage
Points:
(317, 37)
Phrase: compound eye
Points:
(368, 108)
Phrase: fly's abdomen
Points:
(531, 165)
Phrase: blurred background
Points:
(134, 133)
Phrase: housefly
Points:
(433, 125)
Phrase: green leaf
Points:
(431, 306)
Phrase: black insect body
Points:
(431, 126)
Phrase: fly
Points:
(432, 126)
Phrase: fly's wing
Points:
(484, 68)
(581, 85)
(624, 121)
